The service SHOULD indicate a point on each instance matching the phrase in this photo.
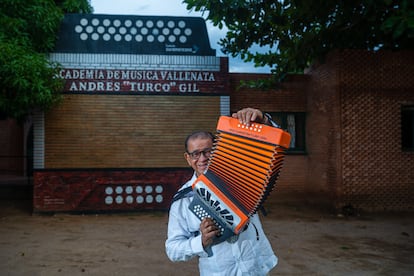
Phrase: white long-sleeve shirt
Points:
(251, 254)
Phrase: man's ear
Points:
(187, 157)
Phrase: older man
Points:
(249, 254)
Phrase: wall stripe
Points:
(225, 105)
(38, 140)
(143, 62)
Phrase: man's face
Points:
(198, 154)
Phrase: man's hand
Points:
(208, 231)
(248, 115)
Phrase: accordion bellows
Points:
(242, 171)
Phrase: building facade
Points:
(137, 85)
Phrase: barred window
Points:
(407, 128)
(294, 123)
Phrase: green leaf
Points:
(298, 33)
(27, 30)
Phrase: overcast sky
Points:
(171, 8)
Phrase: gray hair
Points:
(198, 135)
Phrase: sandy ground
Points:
(307, 242)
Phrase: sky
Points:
(172, 8)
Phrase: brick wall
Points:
(323, 133)
(354, 106)
(95, 190)
(290, 97)
(377, 174)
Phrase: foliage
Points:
(27, 33)
(299, 32)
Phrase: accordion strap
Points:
(263, 210)
(181, 194)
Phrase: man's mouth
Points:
(203, 167)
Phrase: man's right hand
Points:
(208, 231)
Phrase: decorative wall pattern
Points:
(166, 35)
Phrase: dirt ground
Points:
(307, 242)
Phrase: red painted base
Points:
(98, 190)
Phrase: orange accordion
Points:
(242, 171)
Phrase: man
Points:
(250, 253)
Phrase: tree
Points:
(297, 33)
(28, 31)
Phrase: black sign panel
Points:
(128, 34)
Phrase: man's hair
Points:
(198, 135)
